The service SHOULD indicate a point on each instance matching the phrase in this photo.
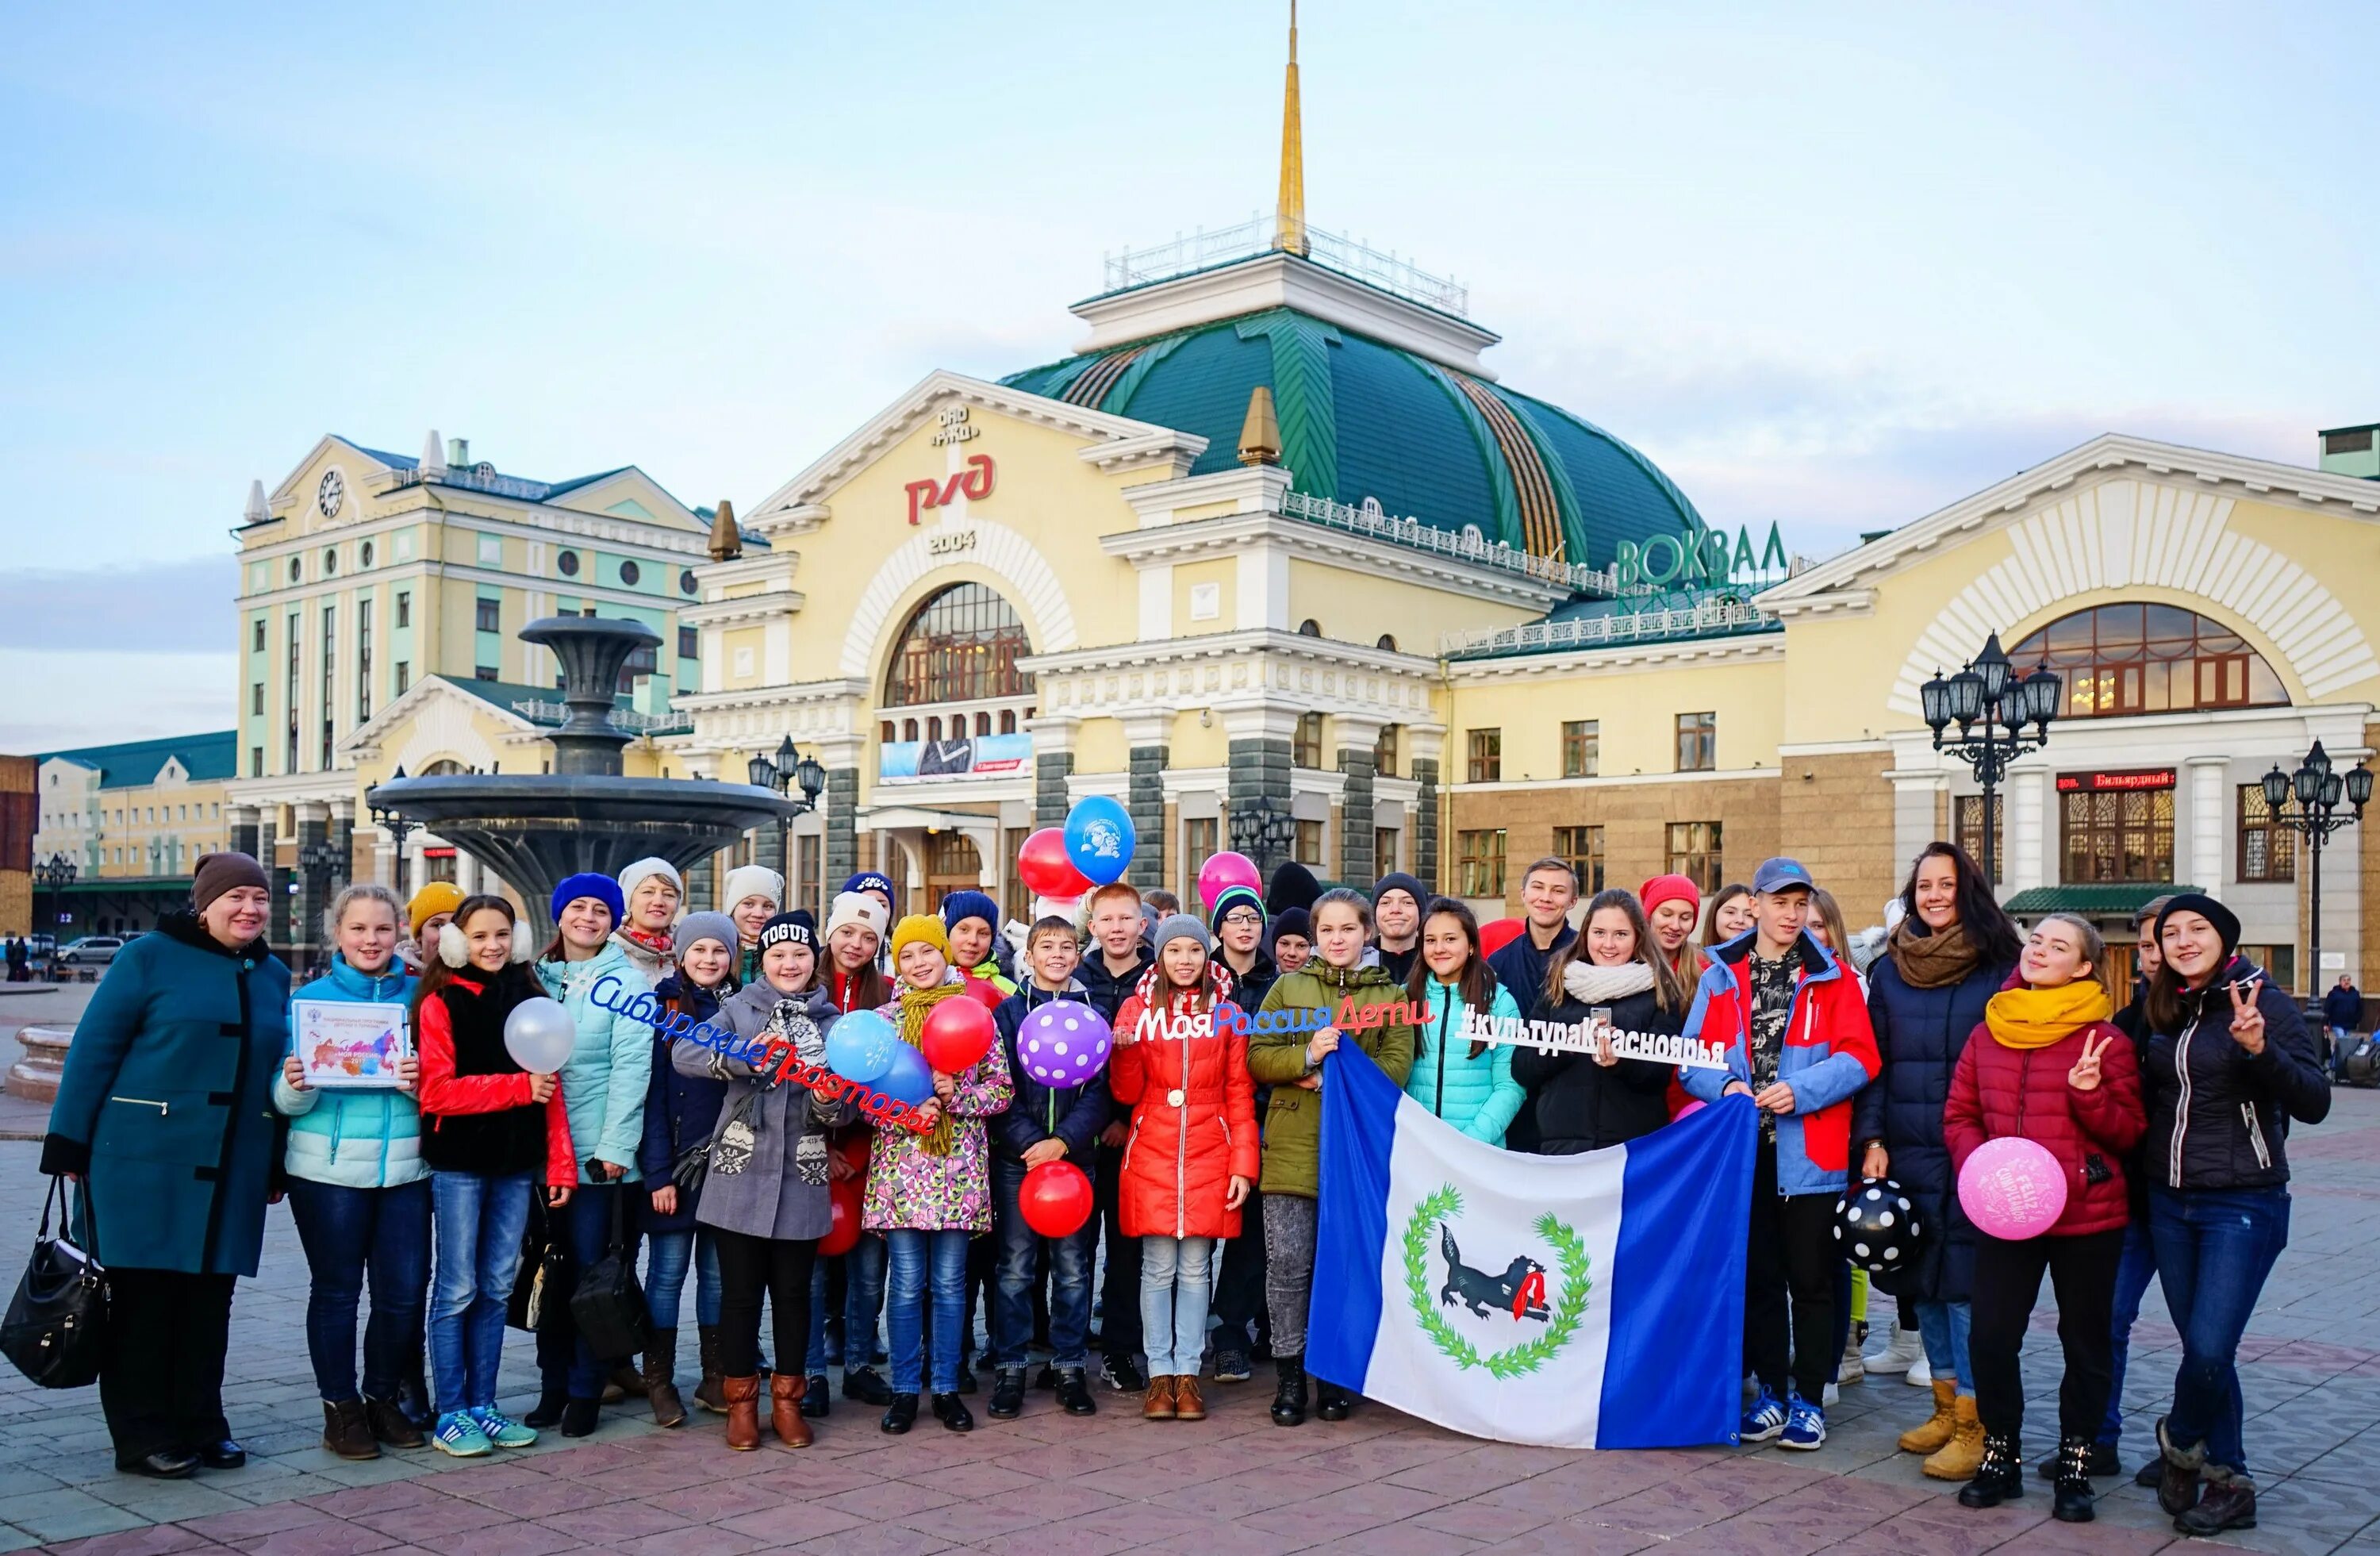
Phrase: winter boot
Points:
(785, 1389)
(661, 1382)
(548, 1409)
(1853, 1368)
(1937, 1429)
(346, 1431)
(1331, 1402)
(1960, 1458)
(1289, 1396)
(709, 1393)
(815, 1400)
(1903, 1348)
(2073, 1503)
(2229, 1502)
(743, 1397)
(2178, 1478)
(1999, 1475)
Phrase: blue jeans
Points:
(1069, 1278)
(666, 1267)
(346, 1232)
(862, 1302)
(1176, 1284)
(2213, 1250)
(479, 1222)
(584, 1229)
(2133, 1271)
(911, 1253)
(1943, 1326)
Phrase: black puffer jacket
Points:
(1580, 1105)
(2218, 1116)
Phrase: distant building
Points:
(134, 819)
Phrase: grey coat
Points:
(775, 1184)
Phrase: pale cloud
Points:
(61, 697)
(156, 608)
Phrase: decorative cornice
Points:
(1237, 674)
(1747, 648)
(1228, 534)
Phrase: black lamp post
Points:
(318, 861)
(53, 875)
(784, 774)
(1991, 704)
(2318, 792)
(1264, 829)
(398, 826)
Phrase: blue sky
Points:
(1831, 266)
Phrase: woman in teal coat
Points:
(165, 1112)
(1464, 1081)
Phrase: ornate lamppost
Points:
(1264, 829)
(53, 875)
(1991, 704)
(784, 774)
(398, 826)
(2319, 812)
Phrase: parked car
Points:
(90, 951)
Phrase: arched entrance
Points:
(952, 865)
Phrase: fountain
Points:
(534, 829)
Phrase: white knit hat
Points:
(644, 869)
(753, 880)
(857, 908)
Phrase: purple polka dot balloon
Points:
(1063, 1043)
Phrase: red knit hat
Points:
(1667, 888)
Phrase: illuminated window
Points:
(2119, 835)
(1479, 863)
(2266, 852)
(2120, 660)
(1970, 831)
(1384, 752)
(961, 645)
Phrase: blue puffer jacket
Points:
(355, 1139)
(1478, 1096)
(680, 1109)
(603, 1083)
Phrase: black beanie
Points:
(2226, 922)
(1292, 886)
(1398, 881)
(1292, 921)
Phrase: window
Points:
(1199, 844)
(1695, 854)
(567, 564)
(1384, 849)
(483, 672)
(363, 660)
(405, 607)
(689, 642)
(886, 733)
(1008, 720)
(685, 581)
(1971, 833)
(404, 675)
(2121, 659)
(1582, 749)
(330, 676)
(256, 699)
(1479, 863)
(908, 729)
(2124, 834)
(1583, 847)
(934, 727)
(961, 645)
(489, 615)
(1697, 741)
(258, 645)
(2266, 852)
(1386, 640)
(808, 851)
(644, 662)
(365, 554)
(1486, 757)
(2280, 961)
(297, 569)
(1306, 749)
(1309, 844)
(1384, 752)
(330, 561)
(630, 573)
(1309, 627)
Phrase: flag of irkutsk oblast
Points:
(1589, 1301)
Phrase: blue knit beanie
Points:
(586, 883)
(969, 905)
(868, 880)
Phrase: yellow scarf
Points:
(2036, 1017)
(916, 1005)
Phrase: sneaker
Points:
(501, 1428)
(1805, 1426)
(1899, 1352)
(1231, 1365)
(1764, 1420)
(1120, 1374)
(458, 1434)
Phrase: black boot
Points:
(2073, 1503)
(814, 1400)
(2103, 1465)
(901, 1414)
(1007, 1393)
(952, 1413)
(580, 1415)
(548, 1410)
(2229, 1503)
(864, 1385)
(1331, 1402)
(1289, 1396)
(1074, 1393)
(1998, 1477)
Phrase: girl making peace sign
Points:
(2054, 1071)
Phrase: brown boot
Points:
(346, 1431)
(660, 1380)
(1158, 1404)
(1187, 1406)
(785, 1390)
(1937, 1430)
(708, 1394)
(743, 1396)
(1963, 1454)
(627, 1380)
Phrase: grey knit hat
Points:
(705, 926)
(1179, 925)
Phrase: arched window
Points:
(934, 727)
(961, 646)
(443, 768)
(1309, 627)
(2122, 660)
(1008, 720)
(983, 724)
(908, 729)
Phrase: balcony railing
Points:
(1707, 619)
(1138, 267)
(539, 711)
(477, 478)
(1468, 546)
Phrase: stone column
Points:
(841, 805)
(1424, 841)
(1358, 741)
(305, 928)
(241, 838)
(2209, 777)
(1259, 770)
(701, 886)
(2024, 840)
(1145, 798)
(342, 838)
(1053, 763)
(276, 880)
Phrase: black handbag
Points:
(609, 1305)
(544, 1267)
(57, 1326)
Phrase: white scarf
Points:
(1593, 985)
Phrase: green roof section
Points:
(208, 757)
(2093, 900)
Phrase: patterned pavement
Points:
(1381, 1483)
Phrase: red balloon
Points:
(1055, 1199)
(1498, 933)
(957, 1033)
(842, 1234)
(1046, 870)
(984, 993)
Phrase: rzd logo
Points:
(974, 483)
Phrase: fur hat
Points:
(753, 880)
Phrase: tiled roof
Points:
(208, 757)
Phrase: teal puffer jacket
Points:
(604, 1081)
(1478, 1096)
(355, 1139)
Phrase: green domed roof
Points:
(1360, 418)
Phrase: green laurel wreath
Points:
(1569, 1252)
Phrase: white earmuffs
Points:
(453, 949)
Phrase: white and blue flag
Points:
(1589, 1301)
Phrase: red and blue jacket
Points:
(1829, 1054)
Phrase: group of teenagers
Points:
(1902, 1055)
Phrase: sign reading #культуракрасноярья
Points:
(1658, 1048)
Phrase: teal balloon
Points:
(863, 1045)
(909, 1079)
(1100, 838)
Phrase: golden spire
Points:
(1260, 433)
(726, 541)
(1289, 230)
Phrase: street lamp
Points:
(1991, 704)
(1263, 829)
(55, 874)
(784, 773)
(398, 826)
(2318, 792)
(317, 859)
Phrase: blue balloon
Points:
(863, 1045)
(1100, 838)
(908, 1078)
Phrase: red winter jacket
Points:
(1194, 1119)
(1998, 1091)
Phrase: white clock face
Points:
(331, 495)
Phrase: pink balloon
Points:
(1223, 871)
(2012, 1189)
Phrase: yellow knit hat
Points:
(920, 926)
(438, 896)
